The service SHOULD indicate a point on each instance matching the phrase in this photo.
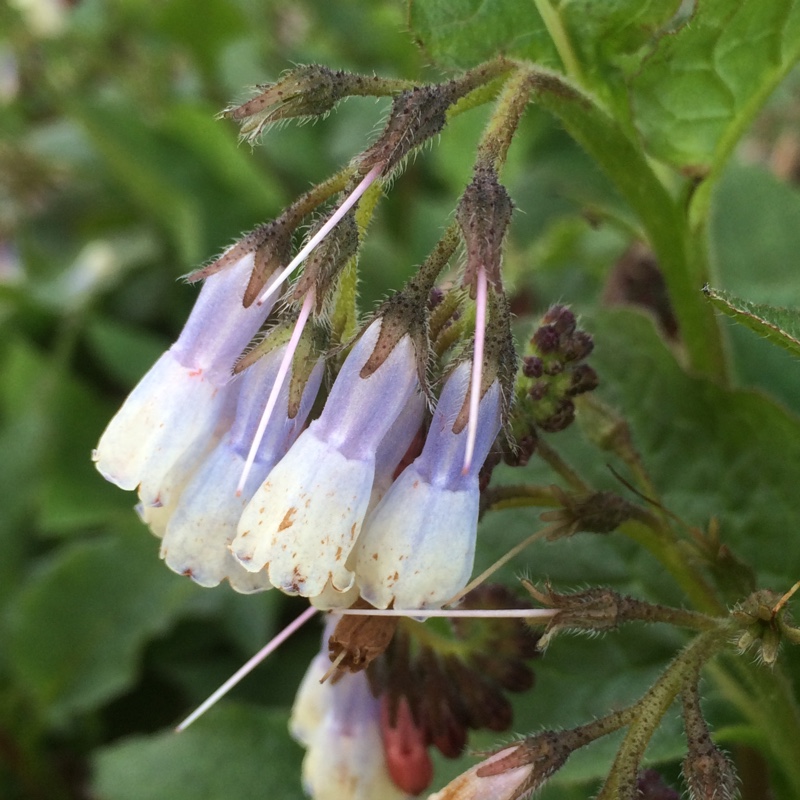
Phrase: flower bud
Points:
(308, 91)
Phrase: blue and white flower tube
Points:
(417, 547)
(203, 524)
(303, 521)
(338, 722)
(184, 401)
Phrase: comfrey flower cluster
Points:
(375, 501)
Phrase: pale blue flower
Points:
(303, 521)
(184, 401)
(417, 547)
(203, 524)
(338, 722)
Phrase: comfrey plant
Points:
(371, 509)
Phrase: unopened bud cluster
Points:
(554, 372)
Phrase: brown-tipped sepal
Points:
(588, 512)
(327, 261)
(305, 92)
(484, 214)
(417, 115)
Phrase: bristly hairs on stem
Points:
(329, 225)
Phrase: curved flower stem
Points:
(497, 498)
(560, 466)
(651, 708)
(674, 560)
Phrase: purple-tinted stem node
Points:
(268, 648)
(477, 368)
(329, 225)
(283, 371)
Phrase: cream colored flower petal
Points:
(198, 535)
(170, 409)
(303, 521)
(417, 547)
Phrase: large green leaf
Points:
(80, 622)
(462, 33)
(711, 451)
(234, 752)
(703, 84)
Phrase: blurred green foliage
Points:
(115, 180)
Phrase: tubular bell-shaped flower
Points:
(338, 722)
(303, 521)
(184, 401)
(204, 522)
(418, 545)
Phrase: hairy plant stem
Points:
(558, 34)
(650, 709)
(553, 459)
(764, 696)
(671, 557)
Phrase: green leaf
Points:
(80, 622)
(146, 167)
(623, 161)
(703, 84)
(755, 235)
(462, 33)
(711, 451)
(780, 326)
(235, 751)
(125, 351)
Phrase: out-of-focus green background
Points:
(115, 180)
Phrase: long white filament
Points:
(277, 641)
(283, 371)
(329, 225)
(270, 647)
(477, 368)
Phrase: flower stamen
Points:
(283, 371)
(329, 225)
(477, 368)
(250, 665)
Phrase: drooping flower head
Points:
(303, 521)
(203, 524)
(184, 401)
(418, 545)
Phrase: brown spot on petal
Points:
(244, 534)
(338, 555)
(288, 520)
